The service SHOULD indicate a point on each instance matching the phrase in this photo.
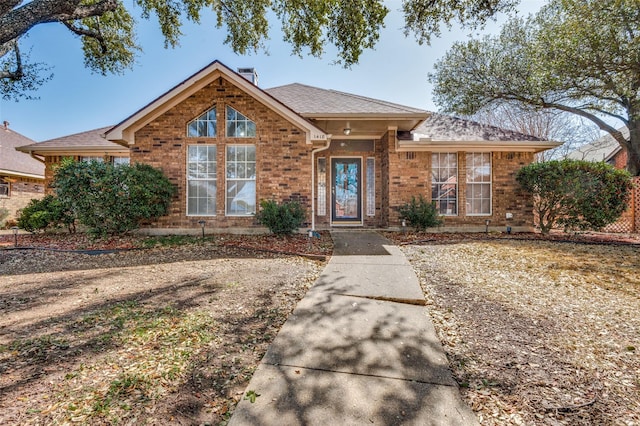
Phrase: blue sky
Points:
(77, 100)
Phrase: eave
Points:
(5, 172)
(124, 132)
(73, 150)
(476, 146)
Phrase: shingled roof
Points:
(601, 149)
(311, 101)
(17, 163)
(89, 141)
(446, 128)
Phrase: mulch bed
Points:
(405, 238)
(293, 244)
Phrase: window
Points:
(371, 186)
(203, 126)
(241, 180)
(239, 126)
(444, 182)
(201, 180)
(322, 187)
(4, 188)
(89, 159)
(117, 161)
(478, 183)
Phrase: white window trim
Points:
(490, 183)
(215, 127)
(369, 189)
(457, 213)
(226, 181)
(248, 120)
(188, 180)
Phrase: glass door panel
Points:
(346, 189)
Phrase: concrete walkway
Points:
(359, 349)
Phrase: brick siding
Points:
(22, 191)
(283, 159)
(283, 163)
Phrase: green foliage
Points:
(251, 396)
(45, 213)
(420, 213)
(578, 56)
(281, 219)
(577, 195)
(107, 28)
(110, 199)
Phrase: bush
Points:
(420, 213)
(44, 213)
(281, 219)
(110, 199)
(577, 195)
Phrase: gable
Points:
(124, 132)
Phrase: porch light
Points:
(347, 130)
(486, 224)
(15, 235)
(202, 223)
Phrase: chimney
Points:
(250, 74)
(5, 123)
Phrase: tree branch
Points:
(97, 35)
(18, 73)
(615, 133)
(7, 5)
(20, 20)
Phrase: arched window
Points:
(239, 126)
(203, 126)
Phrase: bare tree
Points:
(573, 131)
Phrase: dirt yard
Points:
(169, 335)
(538, 333)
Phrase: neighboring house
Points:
(351, 160)
(608, 150)
(605, 149)
(21, 177)
(86, 146)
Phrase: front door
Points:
(346, 189)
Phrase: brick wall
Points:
(410, 174)
(22, 191)
(283, 159)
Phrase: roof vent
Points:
(250, 74)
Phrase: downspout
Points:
(313, 182)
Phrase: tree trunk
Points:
(633, 151)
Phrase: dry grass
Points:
(173, 338)
(538, 332)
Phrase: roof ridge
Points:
(353, 95)
(377, 101)
(493, 126)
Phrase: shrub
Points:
(420, 213)
(110, 199)
(577, 195)
(47, 212)
(281, 219)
